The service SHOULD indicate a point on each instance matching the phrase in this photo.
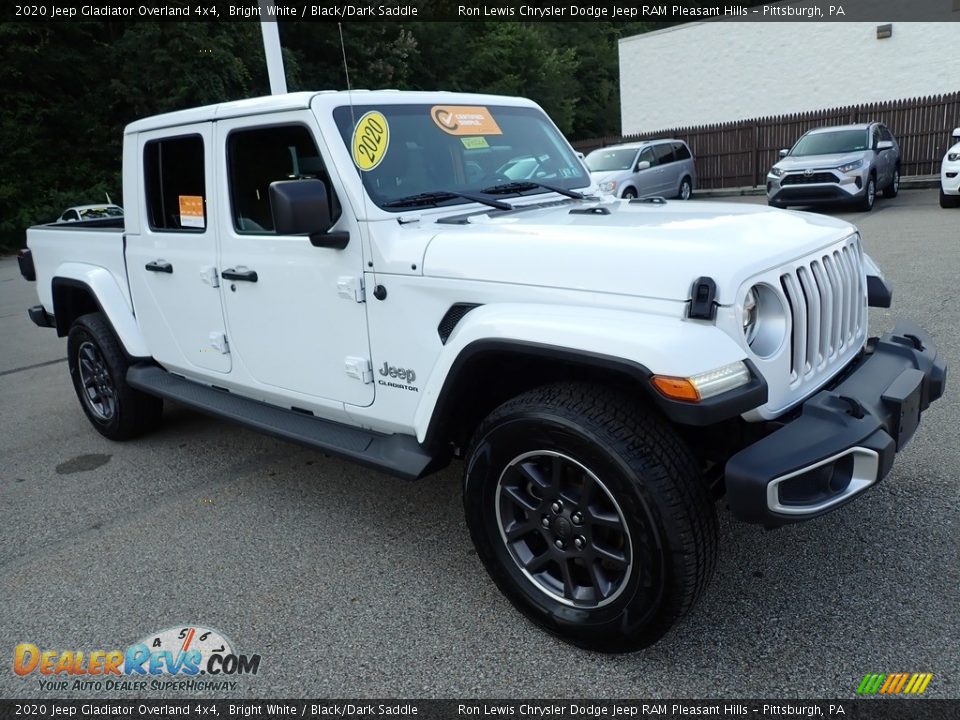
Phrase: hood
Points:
(639, 249)
(819, 161)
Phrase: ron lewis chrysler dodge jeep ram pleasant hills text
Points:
(403, 278)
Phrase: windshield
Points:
(435, 151)
(607, 159)
(831, 143)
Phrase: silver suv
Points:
(644, 169)
(846, 164)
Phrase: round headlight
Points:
(764, 319)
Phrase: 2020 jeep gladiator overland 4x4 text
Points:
(401, 278)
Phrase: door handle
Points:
(159, 266)
(244, 275)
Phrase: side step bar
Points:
(399, 455)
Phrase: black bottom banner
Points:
(875, 709)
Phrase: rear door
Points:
(668, 180)
(171, 260)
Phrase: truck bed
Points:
(74, 249)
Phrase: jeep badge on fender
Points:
(566, 349)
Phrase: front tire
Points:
(894, 187)
(98, 368)
(629, 194)
(590, 514)
(949, 201)
(869, 195)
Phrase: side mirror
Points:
(884, 145)
(643, 165)
(956, 134)
(784, 152)
(301, 207)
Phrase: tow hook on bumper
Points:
(844, 439)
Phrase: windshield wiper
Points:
(432, 198)
(521, 185)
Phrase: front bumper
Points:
(821, 186)
(950, 179)
(844, 439)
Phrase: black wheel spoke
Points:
(569, 588)
(538, 562)
(520, 498)
(604, 519)
(615, 558)
(532, 473)
(520, 528)
(601, 585)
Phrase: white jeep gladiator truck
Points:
(402, 278)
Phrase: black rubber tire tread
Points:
(949, 201)
(864, 204)
(137, 412)
(646, 442)
(629, 194)
(893, 188)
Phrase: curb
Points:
(907, 183)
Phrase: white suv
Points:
(950, 175)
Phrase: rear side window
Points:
(664, 152)
(174, 184)
(260, 156)
(680, 151)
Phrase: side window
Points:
(885, 133)
(664, 153)
(174, 184)
(647, 155)
(681, 151)
(260, 156)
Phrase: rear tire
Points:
(613, 534)
(98, 368)
(949, 201)
(686, 189)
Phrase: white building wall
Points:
(709, 72)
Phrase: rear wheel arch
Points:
(72, 299)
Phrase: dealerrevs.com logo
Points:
(173, 659)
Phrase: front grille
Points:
(802, 179)
(827, 298)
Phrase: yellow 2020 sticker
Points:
(371, 138)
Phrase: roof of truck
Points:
(303, 100)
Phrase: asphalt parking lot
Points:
(349, 583)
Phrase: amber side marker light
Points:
(702, 386)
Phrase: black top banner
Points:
(495, 10)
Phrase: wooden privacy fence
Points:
(738, 154)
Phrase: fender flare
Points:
(630, 344)
(102, 287)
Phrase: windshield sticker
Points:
(474, 143)
(191, 211)
(371, 138)
(464, 120)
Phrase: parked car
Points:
(846, 164)
(950, 175)
(644, 169)
(90, 212)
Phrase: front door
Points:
(171, 259)
(295, 313)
